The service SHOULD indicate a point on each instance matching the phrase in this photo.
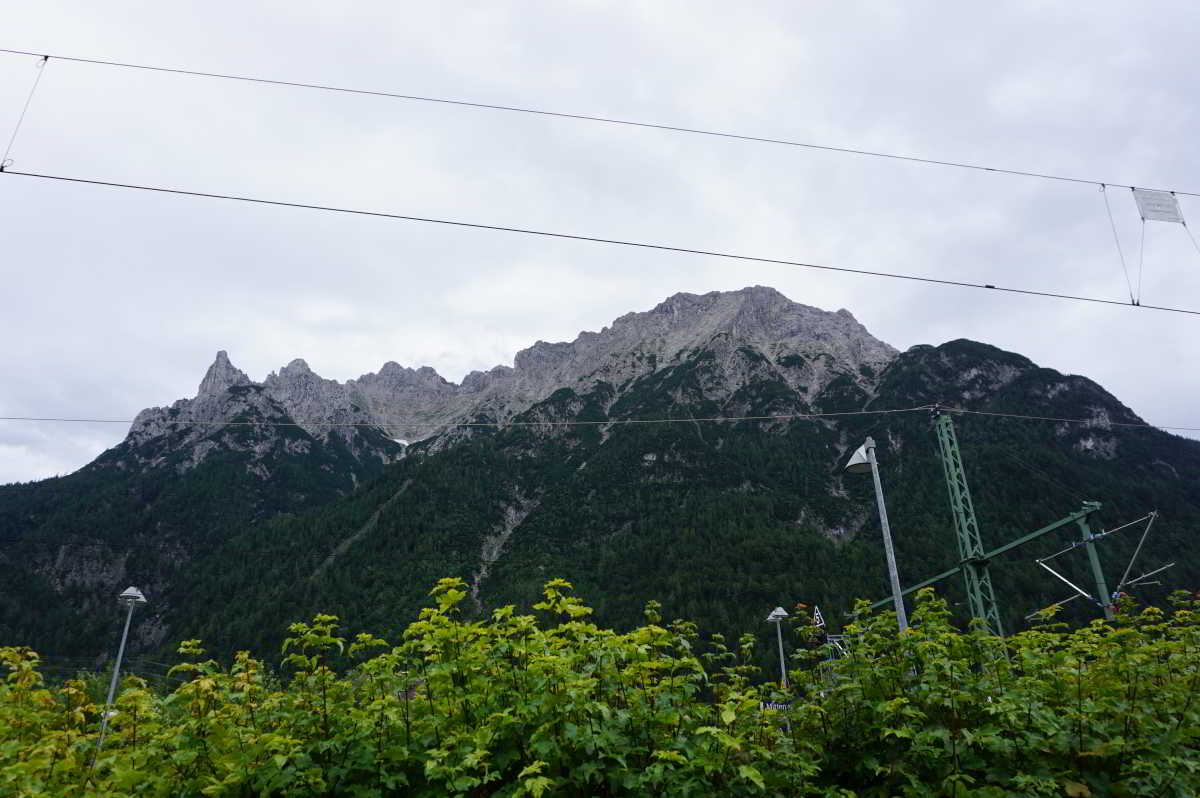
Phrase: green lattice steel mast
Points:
(980, 595)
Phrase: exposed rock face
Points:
(759, 319)
(221, 376)
(409, 403)
(306, 395)
(746, 331)
(225, 394)
(228, 402)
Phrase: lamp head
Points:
(131, 595)
(777, 615)
(860, 462)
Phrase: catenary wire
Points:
(1141, 260)
(590, 118)
(1191, 237)
(501, 424)
(1097, 536)
(1117, 241)
(597, 240)
(1057, 420)
(431, 425)
(1043, 475)
(41, 68)
(1125, 576)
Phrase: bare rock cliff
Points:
(811, 347)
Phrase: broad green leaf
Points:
(751, 774)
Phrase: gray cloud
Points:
(115, 301)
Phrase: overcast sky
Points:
(116, 300)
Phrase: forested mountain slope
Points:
(719, 521)
(256, 504)
(185, 480)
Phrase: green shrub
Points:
(552, 705)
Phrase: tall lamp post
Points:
(130, 597)
(777, 615)
(861, 462)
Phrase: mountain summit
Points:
(757, 319)
(221, 376)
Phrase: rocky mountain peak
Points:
(297, 366)
(543, 355)
(413, 403)
(392, 373)
(754, 296)
(759, 317)
(221, 376)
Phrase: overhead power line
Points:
(592, 118)
(1117, 240)
(41, 67)
(445, 425)
(1087, 421)
(616, 421)
(596, 240)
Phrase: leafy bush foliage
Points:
(552, 705)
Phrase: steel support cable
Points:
(599, 240)
(272, 556)
(1084, 421)
(1038, 472)
(1137, 551)
(1191, 237)
(591, 118)
(1116, 240)
(1137, 580)
(430, 425)
(1095, 537)
(1083, 593)
(1141, 259)
(41, 70)
(448, 424)
(1067, 600)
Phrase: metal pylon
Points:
(980, 595)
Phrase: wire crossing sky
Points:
(598, 240)
(623, 421)
(588, 118)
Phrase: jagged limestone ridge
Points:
(415, 404)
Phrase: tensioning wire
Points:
(593, 118)
(615, 422)
(41, 68)
(1116, 240)
(500, 424)
(1085, 421)
(600, 240)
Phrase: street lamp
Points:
(130, 597)
(777, 615)
(861, 462)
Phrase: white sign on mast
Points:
(1158, 206)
